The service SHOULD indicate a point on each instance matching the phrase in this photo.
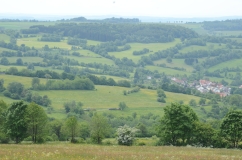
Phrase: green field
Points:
(230, 64)
(106, 97)
(175, 63)
(63, 151)
(33, 42)
(92, 60)
(4, 37)
(26, 59)
(167, 71)
(26, 81)
(153, 47)
(22, 25)
(209, 46)
(5, 49)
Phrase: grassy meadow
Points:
(4, 37)
(33, 42)
(153, 47)
(63, 151)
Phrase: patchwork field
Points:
(22, 25)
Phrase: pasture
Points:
(64, 150)
(33, 42)
(99, 59)
(153, 47)
(230, 64)
(175, 63)
(168, 71)
(25, 59)
(209, 46)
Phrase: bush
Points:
(126, 135)
(49, 138)
(6, 93)
(4, 138)
(161, 99)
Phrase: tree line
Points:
(179, 126)
(144, 33)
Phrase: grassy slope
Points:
(233, 63)
(25, 59)
(63, 151)
(175, 63)
(139, 46)
(167, 71)
(33, 42)
(92, 60)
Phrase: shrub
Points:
(126, 135)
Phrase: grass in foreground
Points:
(63, 151)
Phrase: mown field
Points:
(63, 151)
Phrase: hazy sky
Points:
(158, 8)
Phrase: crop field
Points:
(63, 151)
(153, 47)
(33, 42)
(22, 25)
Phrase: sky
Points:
(155, 8)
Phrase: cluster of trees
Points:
(180, 126)
(227, 25)
(144, 51)
(50, 38)
(161, 96)
(144, 33)
(16, 90)
(191, 61)
(76, 41)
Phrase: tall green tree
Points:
(15, 125)
(231, 127)
(3, 107)
(99, 128)
(37, 122)
(178, 123)
(71, 128)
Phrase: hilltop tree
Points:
(177, 123)
(15, 125)
(231, 127)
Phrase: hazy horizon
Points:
(125, 8)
